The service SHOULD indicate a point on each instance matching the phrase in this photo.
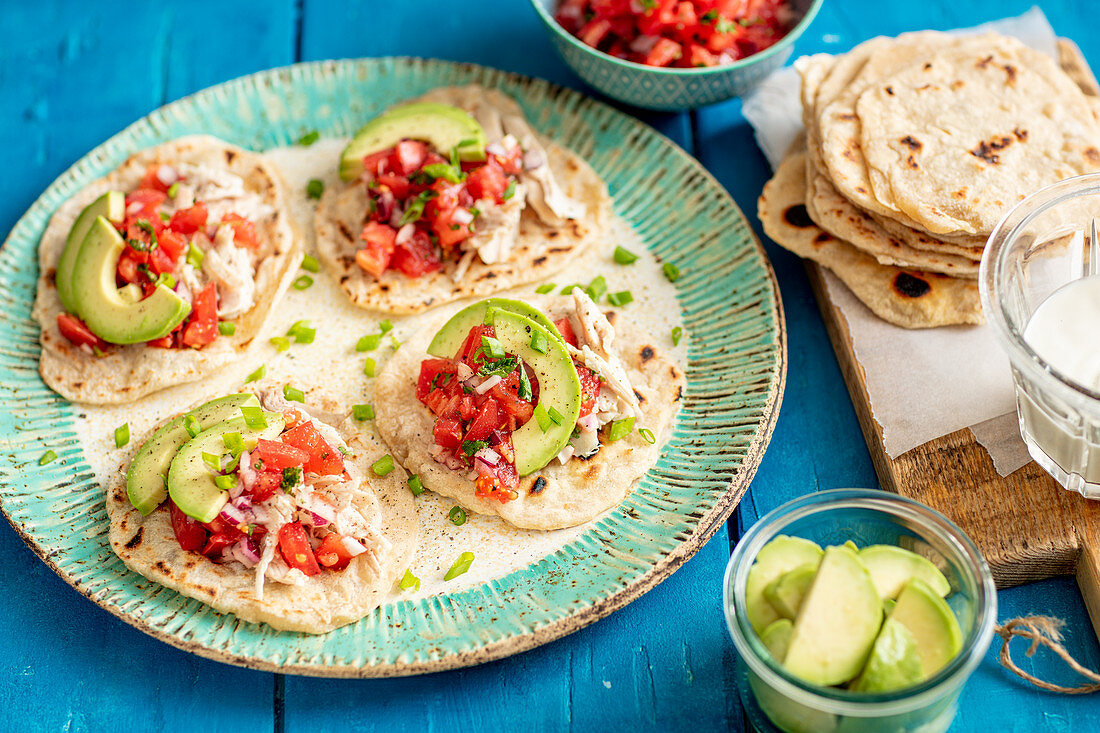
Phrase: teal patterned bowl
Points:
(671, 89)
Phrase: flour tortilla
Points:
(905, 297)
(126, 373)
(540, 250)
(325, 602)
(557, 495)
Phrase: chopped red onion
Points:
(464, 371)
(245, 553)
(644, 44)
(496, 149)
(589, 423)
(353, 546)
(386, 203)
(134, 207)
(317, 520)
(488, 455)
(405, 233)
(495, 438)
(247, 473)
(533, 159)
(462, 216)
(167, 175)
(232, 514)
(488, 384)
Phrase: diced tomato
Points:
(700, 56)
(416, 257)
(507, 394)
(296, 550)
(487, 182)
(499, 484)
(151, 179)
(267, 483)
(217, 543)
(160, 261)
(408, 156)
(164, 342)
(278, 455)
(398, 185)
(202, 324)
(437, 401)
(566, 331)
(145, 203)
(448, 432)
(487, 420)
(448, 231)
(332, 554)
(189, 221)
(466, 407)
(595, 31)
(510, 162)
(663, 53)
(433, 373)
(173, 243)
(372, 163)
(473, 343)
(244, 231)
(128, 268)
(590, 388)
(323, 460)
(76, 331)
(375, 257)
(189, 531)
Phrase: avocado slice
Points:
(777, 637)
(101, 306)
(111, 206)
(931, 622)
(781, 555)
(453, 333)
(785, 593)
(559, 388)
(441, 125)
(894, 663)
(148, 473)
(191, 484)
(892, 567)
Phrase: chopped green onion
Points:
(233, 443)
(191, 425)
(620, 429)
(415, 209)
(596, 288)
(493, 348)
(194, 255)
(344, 450)
(227, 328)
(539, 342)
(166, 279)
(448, 173)
(292, 394)
(554, 415)
(97, 351)
(304, 335)
(147, 227)
(394, 343)
(310, 264)
(165, 217)
(173, 189)
(226, 483)
(297, 327)
(254, 417)
(291, 477)
(362, 412)
(415, 486)
(368, 343)
(385, 326)
(212, 461)
(624, 256)
(542, 417)
(672, 272)
(281, 343)
(470, 447)
(122, 435)
(457, 515)
(677, 334)
(408, 580)
(368, 367)
(383, 465)
(569, 288)
(511, 190)
(620, 298)
(309, 138)
(314, 189)
(647, 435)
(302, 282)
(462, 564)
(544, 289)
(256, 375)
(47, 457)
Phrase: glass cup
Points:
(776, 700)
(1038, 247)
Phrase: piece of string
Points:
(1046, 631)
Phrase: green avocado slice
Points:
(148, 473)
(103, 308)
(453, 333)
(191, 484)
(112, 206)
(559, 388)
(441, 125)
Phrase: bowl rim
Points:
(842, 702)
(778, 47)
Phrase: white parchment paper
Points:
(926, 383)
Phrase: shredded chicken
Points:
(543, 192)
(496, 228)
(230, 267)
(595, 335)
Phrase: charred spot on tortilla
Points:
(538, 486)
(797, 216)
(161, 566)
(981, 64)
(910, 286)
(136, 539)
(230, 155)
(986, 150)
(641, 399)
(679, 394)
(890, 91)
(539, 260)
(1092, 155)
(912, 163)
(1010, 73)
(822, 238)
(1021, 135)
(610, 316)
(646, 353)
(912, 143)
(348, 236)
(847, 117)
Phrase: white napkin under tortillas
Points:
(927, 383)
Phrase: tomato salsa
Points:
(479, 400)
(156, 245)
(423, 206)
(677, 33)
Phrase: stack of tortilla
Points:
(914, 148)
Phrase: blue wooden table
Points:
(73, 73)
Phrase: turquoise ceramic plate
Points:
(735, 373)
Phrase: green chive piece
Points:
(620, 298)
(368, 367)
(409, 581)
(314, 189)
(542, 417)
(173, 189)
(511, 190)
(368, 343)
(544, 289)
(554, 415)
(47, 457)
(194, 255)
(303, 282)
(309, 138)
(226, 328)
(256, 375)
(383, 466)
(539, 342)
(191, 425)
(493, 348)
(310, 264)
(233, 443)
(385, 326)
(281, 343)
(462, 564)
(596, 288)
(122, 435)
(362, 412)
(677, 334)
(212, 461)
(624, 256)
(415, 486)
(227, 482)
(647, 435)
(569, 288)
(457, 515)
(292, 394)
(620, 429)
(254, 417)
(672, 272)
